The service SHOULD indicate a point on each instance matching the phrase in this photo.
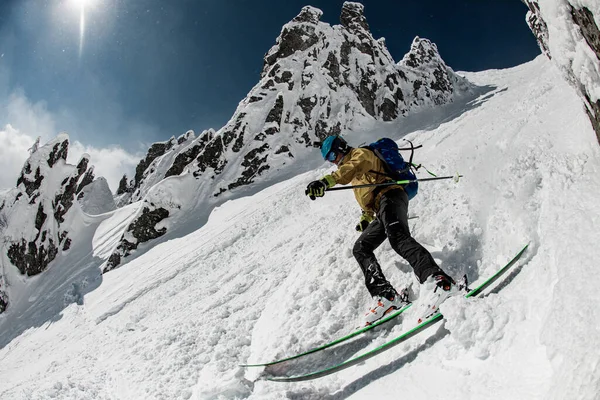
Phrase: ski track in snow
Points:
(273, 275)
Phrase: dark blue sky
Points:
(149, 69)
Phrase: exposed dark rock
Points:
(40, 218)
(307, 105)
(276, 112)
(143, 229)
(155, 151)
(211, 157)
(30, 186)
(294, 37)
(31, 259)
(442, 81)
(123, 186)
(59, 152)
(422, 52)
(88, 178)
(229, 135)
(185, 137)
(309, 14)
(333, 68)
(186, 157)
(353, 17)
(239, 142)
(366, 95)
(538, 26)
(585, 20)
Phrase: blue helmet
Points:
(332, 146)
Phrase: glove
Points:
(365, 220)
(317, 188)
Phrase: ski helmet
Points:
(332, 146)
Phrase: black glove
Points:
(315, 189)
(365, 220)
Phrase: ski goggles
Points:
(331, 156)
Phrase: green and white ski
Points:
(337, 341)
(437, 317)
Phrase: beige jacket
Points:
(355, 169)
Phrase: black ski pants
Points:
(391, 223)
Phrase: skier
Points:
(384, 215)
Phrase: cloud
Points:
(31, 119)
(13, 153)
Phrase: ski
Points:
(337, 341)
(437, 317)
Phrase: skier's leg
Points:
(393, 213)
(372, 237)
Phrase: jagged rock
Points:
(189, 154)
(353, 17)
(538, 26)
(435, 80)
(563, 34)
(155, 151)
(123, 186)
(309, 14)
(143, 229)
(298, 35)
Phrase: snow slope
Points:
(272, 274)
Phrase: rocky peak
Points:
(42, 206)
(309, 14)
(422, 52)
(353, 17)
(297, 35)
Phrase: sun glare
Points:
(81, 5)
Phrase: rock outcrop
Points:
(39, 218)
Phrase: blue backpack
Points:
(395, 167)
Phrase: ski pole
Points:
(403, 182)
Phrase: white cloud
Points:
(13, 153)
(31, 119)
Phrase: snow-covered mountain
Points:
(273, 274)
(567, 32)
(39, 218)
(317, 80)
